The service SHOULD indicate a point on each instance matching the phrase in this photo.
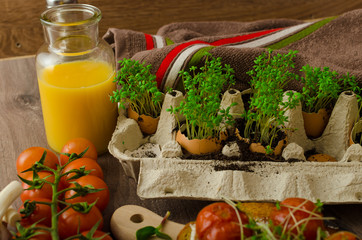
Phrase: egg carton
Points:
(156, 162)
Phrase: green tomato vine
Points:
(37, 183)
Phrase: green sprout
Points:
(266, 115)
(150, 231)
(138, 88)
(322, 87)
(203, 93)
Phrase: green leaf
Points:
(83, 207)
(277, 205)
(29, 207)
(162, 235)
(93, 230)
(82, 191)
(319, 205)
(145, 233)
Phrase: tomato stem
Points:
(63, 210)
(63, 191)
(57, 174)
(54, 206)
(45, 203)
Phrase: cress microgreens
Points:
(321, 88)
(269, 231)
(37, 183)
(266, 115)
(261, 230)
(201, 106)
(138, 88)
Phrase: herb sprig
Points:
(321, 87)
(266, 115)
(138, 88)
(201, 106)
(269, 231)
(149, 231)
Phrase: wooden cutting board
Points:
(127, 219)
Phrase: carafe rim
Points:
(51, 16)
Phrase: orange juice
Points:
(75, 102)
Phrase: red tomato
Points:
(219, 221)
(31, 155)
(292, 219)
(44, 192)
(99, 234)
(342, 235)
(88, 163)
(70, 221)
(41, 212)
(78, 145)
(102, 196)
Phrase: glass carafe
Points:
(75, 70)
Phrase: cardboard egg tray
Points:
(156, 162)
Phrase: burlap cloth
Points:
(335, 42)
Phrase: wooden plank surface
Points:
(21, 32)
(21, 126)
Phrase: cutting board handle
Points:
(127, 219)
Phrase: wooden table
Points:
(21, 127)
(24, 35)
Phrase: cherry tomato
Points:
(296, 212)
(219, 221)
(102, 196)
(99, 234)
(41, 213)
(44, 192)
(31, 155)
(342, 235)
(88, 163)
(71, 221)
(78, 145)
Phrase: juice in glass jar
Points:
(75, 102)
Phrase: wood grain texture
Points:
(21, 32)
(21, 127)
(124, 224)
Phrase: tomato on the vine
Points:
(298, 216)
(88, 164)
(31, 155)
(71, 221)
(98, 234)
(220, 221)
(342, 235)
(38, 212)
(44, 192)
(35, 234)
(78, 145)
(102, 196)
